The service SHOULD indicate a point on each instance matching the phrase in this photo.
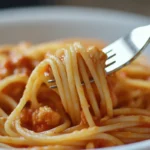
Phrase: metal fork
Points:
(124, 50)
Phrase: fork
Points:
(124, 50)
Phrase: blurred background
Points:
(136, 6)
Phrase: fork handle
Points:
(148, 27)
(146, 30)
(149, 32)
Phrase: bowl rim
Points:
(51, 12)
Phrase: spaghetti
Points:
(114, 110)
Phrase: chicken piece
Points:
(45, 118)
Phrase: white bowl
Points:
(51, 23)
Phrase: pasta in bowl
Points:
(112, 111)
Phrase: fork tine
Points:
(53, 86)
(51, 81)
(107, 51)
(110, 55)
(110, 60)
(109, 64)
